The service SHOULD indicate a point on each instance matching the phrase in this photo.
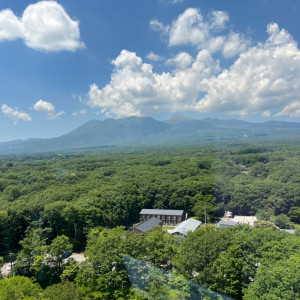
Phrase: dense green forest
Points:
(86, 201)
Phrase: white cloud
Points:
(192, 28)
(218, 19)
(80, 112)
(47, 108)
(266, 114)
(154, 57)
(43, 26)
(14, 114)
(276, 36)
(182, 60)
(10, 26)
(235, 44)
(291, 110)
(155, 25)
(264, 77)
(135, 90)
(176, 1)
(189, 28)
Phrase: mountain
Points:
(137, 131)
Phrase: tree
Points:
(228, 272)
(33, 244)
(278, 281)
(282, 221)
(160, 249)
(18, 287)
(63, 291)
(204, 208)
(57, 249)
(199, 251)
(295, 214)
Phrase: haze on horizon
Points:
(64, 63)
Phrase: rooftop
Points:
(166, 212)
(186, 226)
(249, 220)
(149, 224)
(228, 223)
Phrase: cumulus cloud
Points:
(265, 77)
(182, 60)
(15, 114)
(234, 44)
(47, 108)
(135, 90)
(218, 19)
(43, 26)
(10, 26)
(154, 57)
(192, 28)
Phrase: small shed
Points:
(147, 225)
(186, 226)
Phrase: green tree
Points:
(57, 249)
(228, 272)
(34, 244)
(278, 281)
(282, 221)
(18, 287)
(204, 207)
(295, 214)
(199, 251)
(63, 291)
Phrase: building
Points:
(167, 216)
(186, 226)
(245, 220)
(226, 223)
(146, 225)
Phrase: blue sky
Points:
(66, 62)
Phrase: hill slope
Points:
(135, 130)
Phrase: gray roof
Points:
(148, 224)
(166, 212)
(186, 226)
(227, 223)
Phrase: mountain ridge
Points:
(141, 130)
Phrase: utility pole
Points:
(205, 214)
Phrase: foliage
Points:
(63, 291)
(50, 202)
(278, 281)
(18, 287)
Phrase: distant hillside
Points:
(136, 131)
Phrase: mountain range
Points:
(133, 131)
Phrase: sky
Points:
(63, 63)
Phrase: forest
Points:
(85, 201)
